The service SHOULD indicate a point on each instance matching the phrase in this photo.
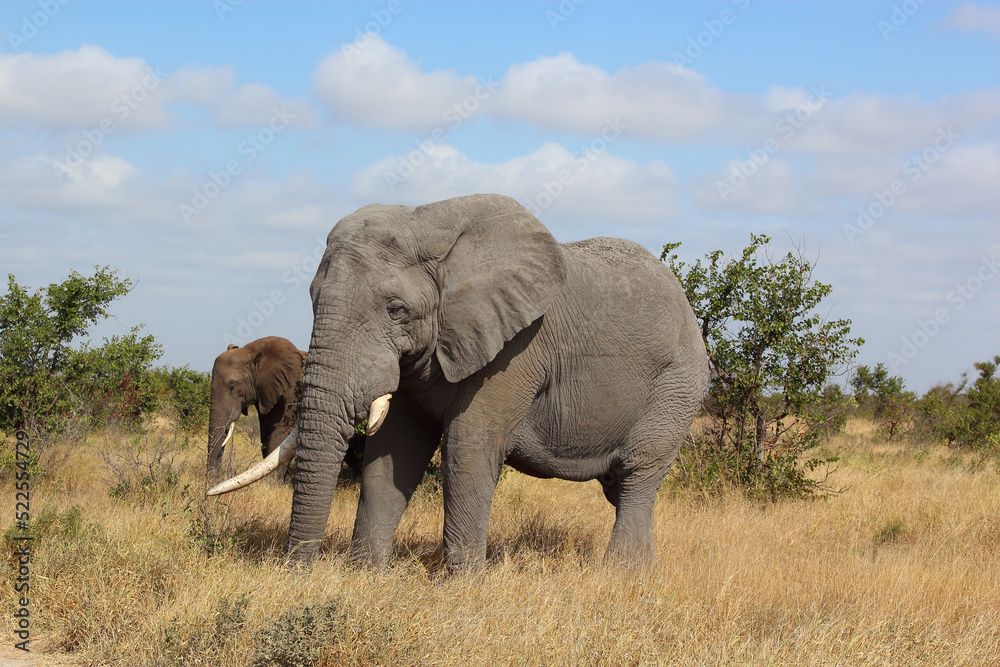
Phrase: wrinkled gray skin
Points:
(264, 373)
(579, 361)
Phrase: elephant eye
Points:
(397, 310)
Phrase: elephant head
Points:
(406, 298)
(263, 373)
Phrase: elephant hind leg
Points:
(652, 446)
(632, 539)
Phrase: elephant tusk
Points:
(228, 435)
(283, 454)
(377, 413)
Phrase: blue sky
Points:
(206, 148)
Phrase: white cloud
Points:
(254, 104)
(659, 101)
(78, 89)
(196, 84)
(784, 98)
(960, 182)
(970, 17)
(370, 83)
(90, 88)
(768, 187)
(108, 190)
(872, 125)
(105, 187)
(551, 182)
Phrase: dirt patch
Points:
(12, 657)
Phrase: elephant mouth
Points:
(286, 450)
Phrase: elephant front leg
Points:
(395, 460)
(470, 475)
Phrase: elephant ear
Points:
(500, 276)
(278, 369)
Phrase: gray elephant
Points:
(579, 361)
(266, 374)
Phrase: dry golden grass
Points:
(902, 568)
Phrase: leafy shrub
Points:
(938, 414)
(978, 427)
(828, 412)
(771, 355)
(204, 644)
(965, 416)
(327, 635)
(185, 394)
(785, 470)
(883, 398)
(301, 637)
(50, 524)
(45, 382)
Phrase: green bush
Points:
(207, 642)
(978, 427)
(185, 394)
(882, 397)
(828, 412)
(302, 637)
(51, 524)
(772, 353)
(938, 414)
(966, 416)
(46, 383)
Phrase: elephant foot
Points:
(302, 554)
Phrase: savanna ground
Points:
(132, 567)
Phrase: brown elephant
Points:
(267, 374)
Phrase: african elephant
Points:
(579, 361)
(264, 373)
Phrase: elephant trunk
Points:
(334, 400)
(325, 426)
